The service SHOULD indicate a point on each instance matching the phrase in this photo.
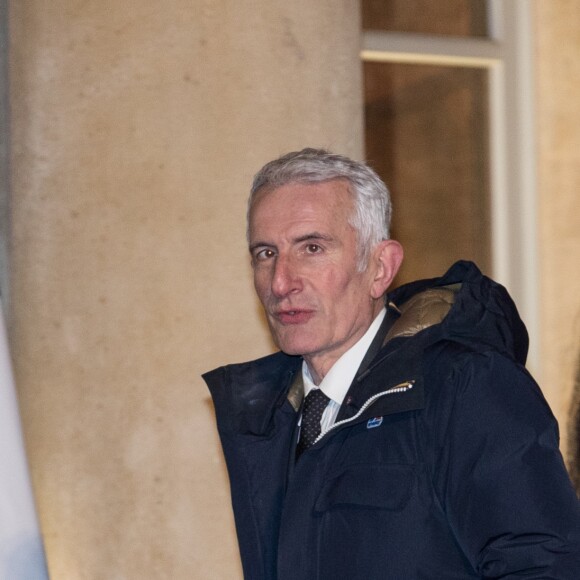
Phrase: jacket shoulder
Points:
(263, 368)
(246, 394)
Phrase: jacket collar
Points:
(394, 358)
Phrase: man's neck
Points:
(319, 366)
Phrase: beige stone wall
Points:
(136, 127)
(558, 130)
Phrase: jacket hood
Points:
(464, 306)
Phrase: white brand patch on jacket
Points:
(374, 422)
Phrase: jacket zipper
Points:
(400, 388)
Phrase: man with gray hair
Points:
(394, 435)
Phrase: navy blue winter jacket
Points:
(443, 463)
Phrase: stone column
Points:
(558, 130)
(136, 128)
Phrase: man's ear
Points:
(386, 261)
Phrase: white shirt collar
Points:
(340, 376)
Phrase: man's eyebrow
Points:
(313, 236)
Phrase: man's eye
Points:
(264, 254)
(313, 248)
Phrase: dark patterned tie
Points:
(314, 405)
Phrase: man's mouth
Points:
(294, 316)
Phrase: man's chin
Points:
(293, 347)
(295, 339)
(291, 352)
(288, 348)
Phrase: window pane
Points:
(450, 17)
(426, 135)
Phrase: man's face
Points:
(304, 257)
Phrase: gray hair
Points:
(372, 216)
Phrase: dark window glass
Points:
(427, 136)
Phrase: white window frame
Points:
(507, 54)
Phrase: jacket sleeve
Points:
(501, 478)
(218, 382)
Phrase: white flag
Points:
(21, 548)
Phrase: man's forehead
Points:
(301, 211)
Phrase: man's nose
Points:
(285, 278)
